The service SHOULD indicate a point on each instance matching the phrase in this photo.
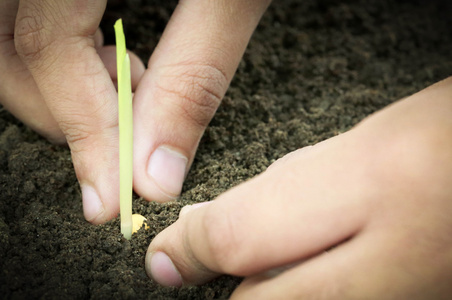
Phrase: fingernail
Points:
(167, 167)
(191, 207)
(92, 206)
(163, 270)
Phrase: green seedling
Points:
(125, 120)
(129, 223)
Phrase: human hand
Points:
(56, 78)
(187, 76)
(363, 215)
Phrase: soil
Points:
(313, 69)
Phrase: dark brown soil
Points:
(313, 69)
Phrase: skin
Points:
(57, 77)
(362, 215)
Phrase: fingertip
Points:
(97, 172)
(160, 268)
(161, 178)
(137, 69)
(57, 139)
(98, 38)
(176, 256)
(108, 56)
(94, 209)
(188, 208)
(167, 168)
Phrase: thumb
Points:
(264, 223)
(59, 51)
(187, 77)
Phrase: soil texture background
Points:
(313, 69)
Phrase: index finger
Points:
(59, 50)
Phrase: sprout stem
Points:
(125, 131)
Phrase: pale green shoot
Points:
(125, 131)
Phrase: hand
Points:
(363, 215)
(188, 75)
(57, 78)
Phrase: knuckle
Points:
(195, 90)
(29, 37)
(76, 134)
(83, 130)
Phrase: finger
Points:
(59, 51)
(98, 39)
(246, 230)
(18, 91)
(335, 193)
(186, 79)
(108, 56)
(325, 276)
(376, 264)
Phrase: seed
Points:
(137, 222)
